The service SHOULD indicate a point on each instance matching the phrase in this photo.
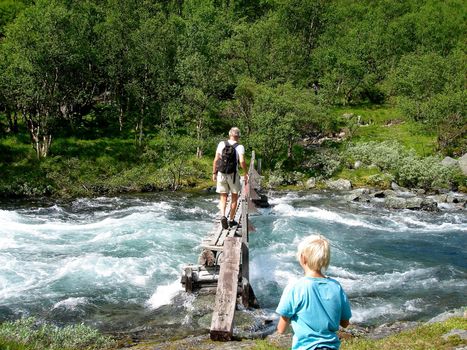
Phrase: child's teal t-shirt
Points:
(315, 306)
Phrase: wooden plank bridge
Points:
(223, 265)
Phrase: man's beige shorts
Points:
(225, 183)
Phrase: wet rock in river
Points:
(393, 202)
(339, 185)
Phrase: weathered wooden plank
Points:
(226, 294)
(188, 279)
(222, 237)
(217, 248)
(215, 238)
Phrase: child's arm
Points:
(283, 324)
(344, 323)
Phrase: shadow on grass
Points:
(119, 149)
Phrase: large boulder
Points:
(414, 203)
(463, 164)
(339, 185)
(359, 195)
(455, 198)
(397, 188)
(429, 204)
(388, 193)
(450, 162)
(310, 183)
(395, 202)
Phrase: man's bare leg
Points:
(233, 206)
(222, 206)
(223, 203)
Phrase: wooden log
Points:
(244, 218)
(188, 279)
(226, 295)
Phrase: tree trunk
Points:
(15, 122)
(12, 121)
(289, 148)
(199, 151)
(120, 117)
(40, 141)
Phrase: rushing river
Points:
(115, 262)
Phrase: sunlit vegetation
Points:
(109, 96)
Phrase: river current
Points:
(115, 263)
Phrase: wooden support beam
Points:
(187, 279)
(226, 295)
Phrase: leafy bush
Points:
(425, 173)
(325, 163)
(43, 336)
(385, 155)
(404, 166)
(382, 180)
(280, 177)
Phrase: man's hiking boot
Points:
(233, 223)
(224, 223)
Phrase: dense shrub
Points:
(385, 155)
(426, 173)
(404, 166)
(280, 177)
(324, 163)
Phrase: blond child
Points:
(315, 305)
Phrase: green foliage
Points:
(404, 165)
(325, 163)
(430, 90)
(385, 155)
(28, 334)
(9, 9)
(276, 119)
(426, 173)
(189, 70)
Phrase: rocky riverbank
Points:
(401, 198)
(267, 338)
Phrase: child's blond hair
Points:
(316, 250)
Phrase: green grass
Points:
(381, 123)
(425, 337)
(364, 176)
(106, 166)
(28, 334)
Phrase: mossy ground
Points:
(425, 337)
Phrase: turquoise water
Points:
(115, 262)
